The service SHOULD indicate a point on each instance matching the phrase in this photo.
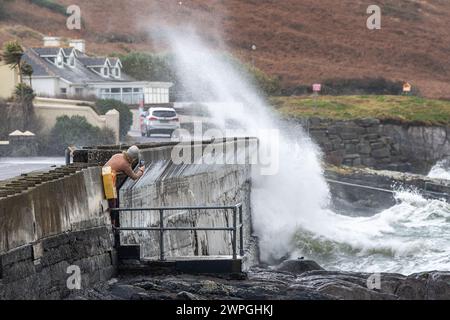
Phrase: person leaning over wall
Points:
(120, 163)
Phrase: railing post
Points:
(241, 233)
(161, 235)
(234, 233)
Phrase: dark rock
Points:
(380, 153)
(183, 295)
(350, 148)
(298, 266)
(372, 137)
(126, 292)
(367, 122)
(377, 145)
(349, 135)
(364, 148)
(438, 285)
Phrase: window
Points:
(72, 61)
(63, 90)
(105, 72)
(79, 91)
(59, 61)
(117, 72)
(115, 90)
(164, 114)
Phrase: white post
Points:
(112, 121)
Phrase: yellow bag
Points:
(109, 183)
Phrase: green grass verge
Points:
(392, 109)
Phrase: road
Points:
(11, 167)
(138, 138)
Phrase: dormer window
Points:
(72, 61)
(105, 72)
(59, 61)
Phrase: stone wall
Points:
(48, 221)
(370, 143)
(422, 145)
(379, 184)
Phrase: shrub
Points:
(3, 10)
(379, 86)
(51, 5)
(155, 67)
(149, 67)
(269, 85)
(73, 131)
(4, 120)
(353, 86)
(126, 117)
(24, 92)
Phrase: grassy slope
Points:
(399, 109)
(302, 41)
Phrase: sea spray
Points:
(441, 170)
(284, 200)
(291, 208)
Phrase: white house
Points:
(68, 71)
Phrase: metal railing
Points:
(162, 229)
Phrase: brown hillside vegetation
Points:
(302, 41)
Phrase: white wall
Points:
(45, 86)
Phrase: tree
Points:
(24, 96)
(3, 9)
(12, 55)
(75, 130)
(27, 70)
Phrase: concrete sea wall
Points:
(185, 184)
(48, 222)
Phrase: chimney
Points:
(78, 44)
(52, 41)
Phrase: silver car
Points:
(161, 121)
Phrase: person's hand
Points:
(142, 169)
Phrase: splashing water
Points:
(282, 201)
(412, 236)
(441, 170)
(290, 208)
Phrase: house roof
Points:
(80, 74)
(93, 61)
(68, 51)
(47, 51)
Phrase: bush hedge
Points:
(73, 131)
(51, 5)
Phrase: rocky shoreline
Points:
(291, 280)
